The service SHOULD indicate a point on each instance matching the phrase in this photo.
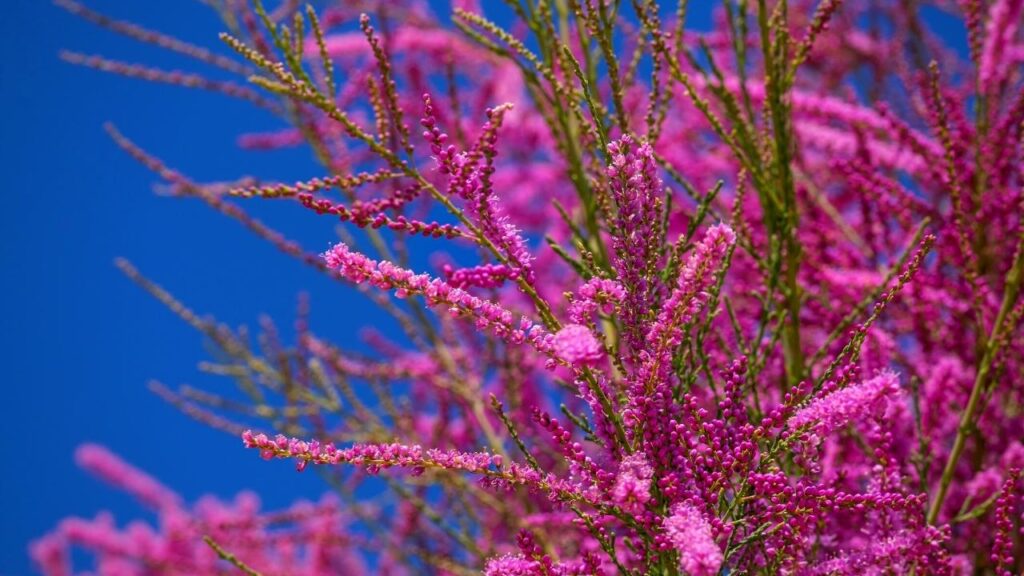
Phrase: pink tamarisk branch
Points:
(486, 315)
(376, 457)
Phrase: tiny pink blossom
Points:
(577, 345)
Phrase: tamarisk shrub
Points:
(744, 301)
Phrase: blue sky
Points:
(78, 341)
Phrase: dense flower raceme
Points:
(737, 301)
(689, 533)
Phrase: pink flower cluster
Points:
(830, 412)
(577, 345)
(690, 535)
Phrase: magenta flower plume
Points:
(577, 345)
(632, 490)
(683, 305)
(637, 191)
(828, 413)
(1000, 32)
(690, 535)
(512, 565)
(691, 290)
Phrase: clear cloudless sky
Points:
(78, 341)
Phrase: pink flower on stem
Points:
(830, 412)
(633, 483)
(688, 532)
(577, 345)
